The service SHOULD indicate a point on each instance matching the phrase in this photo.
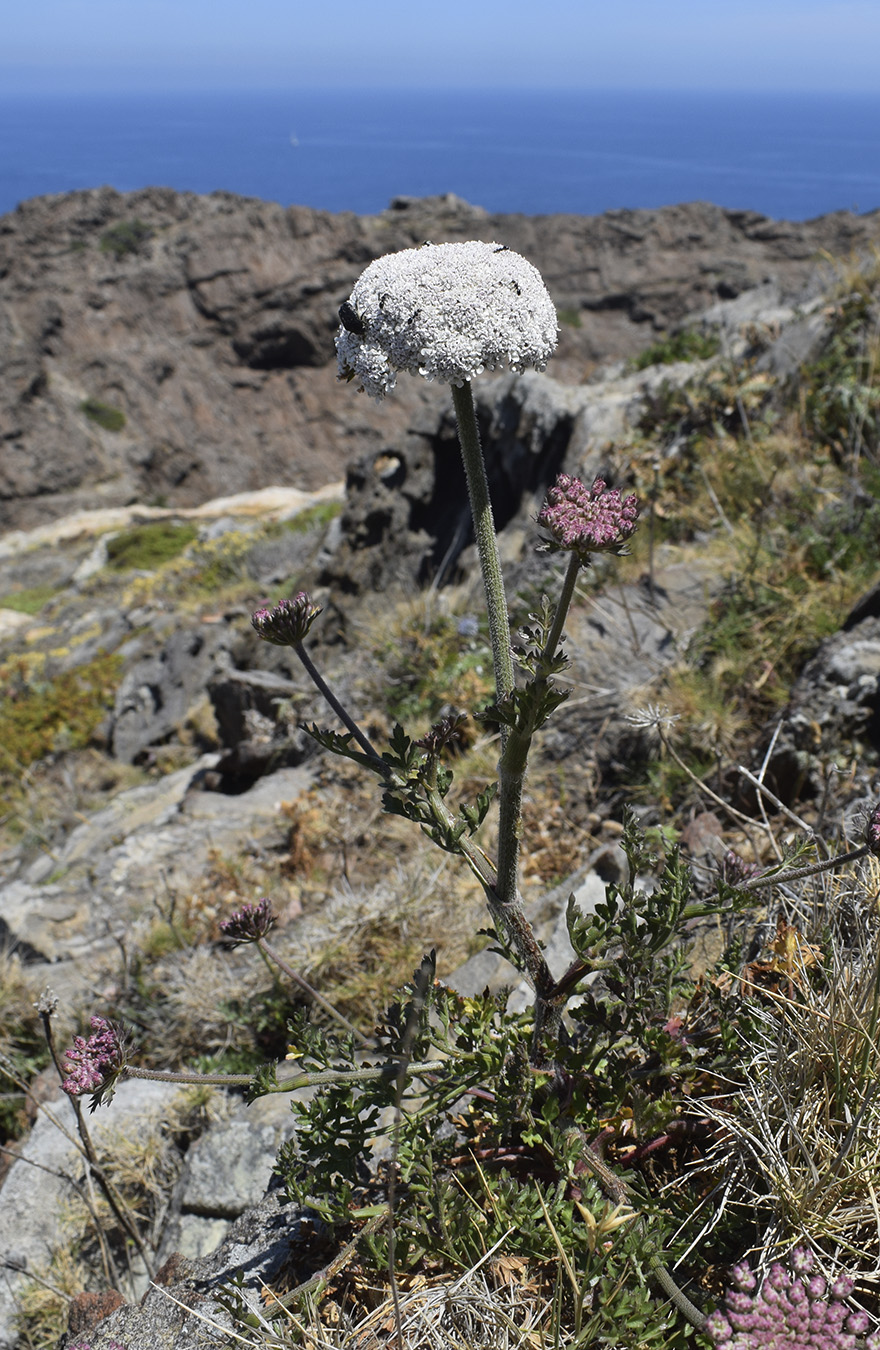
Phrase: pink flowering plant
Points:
(93, 1063)
(794, 1306)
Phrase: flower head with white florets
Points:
(446, 312)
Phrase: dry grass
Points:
(800, 1134)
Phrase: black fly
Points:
(351, 320)
(504, 248)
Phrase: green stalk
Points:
(487, 542)
(515, 756)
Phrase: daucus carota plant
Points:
(499, 1115)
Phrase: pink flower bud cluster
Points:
(249, 923)
(287, 623)
(735, 870)
(795, 1309)
(93, 1061)
(586, 520)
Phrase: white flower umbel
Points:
(446, 312)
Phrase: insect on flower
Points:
(351, 320)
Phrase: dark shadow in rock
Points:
(10, 945)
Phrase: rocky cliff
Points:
(161, 346)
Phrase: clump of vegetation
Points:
(688, 344)
(431, 658)
(23, 1049)
(103, 414)
(29, 600)
(841, 389)
(314, 517)
(126, 237)
(41, 716)
(149, 546)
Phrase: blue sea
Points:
(789, 156)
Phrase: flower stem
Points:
(514, 758)
(487, 543)
(269, 954)
(760, 883)
(327, 693)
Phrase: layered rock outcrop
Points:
(162, 346)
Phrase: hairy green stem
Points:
(510, 916)
(760, 883)
(515, 756)
(616, 1188)
(487, 542)
(389, 1070)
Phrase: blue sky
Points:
(97, 45)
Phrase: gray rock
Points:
(48, 1174)
(227, 1170)
(149, 841)
(158, 691)
(213, 335)
(834, 703)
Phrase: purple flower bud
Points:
(743, 1277)
(735, 870)
(93, 1062)
(287, 623)
(802, 1260)
(586, 520)
(718, 1327)
(250, 923)
(789, 1313)
(842, 1287)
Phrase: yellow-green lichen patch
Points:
(147, 547)
(29, 600)
(39, 717)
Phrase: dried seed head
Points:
(250, 923)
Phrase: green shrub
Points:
(319, 515)
(42, 717)
(126, 236)
(28, 601)
(688, 345)
(842, 387)
(149, 546)
(104, 414)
